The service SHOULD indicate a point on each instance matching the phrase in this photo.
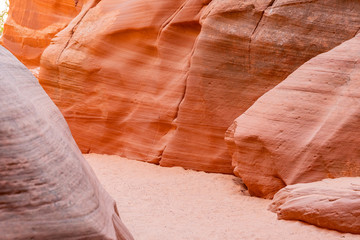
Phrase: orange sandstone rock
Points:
(32, 24)
(120, 86)
(330, 203)
(305, 129)
(47, 189)
(161, 81)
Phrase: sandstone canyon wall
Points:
(306, 128)
(32, 24)
(161, 81)
(47, 189)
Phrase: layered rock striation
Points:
(162, 81)
(47, 189)
(331, 203)
(32, 24)
(305, 129)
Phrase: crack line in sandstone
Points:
(296, 3)
(94, 4)
(183, 93)
(168, 21)
(163, 26)
(185, 87)
(271, 3)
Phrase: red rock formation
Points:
(306, 128)
(161, 81)
(127, 81)
(32, 24)
(331, 203)
(47, 189)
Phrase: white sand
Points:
(158, 203)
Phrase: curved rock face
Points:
(47, 189)
(305, 129)
(162, 81)
(32, 24)
(331, 203)
(243, 50)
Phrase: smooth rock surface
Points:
(243, 50)
(120, 87)
(47, 189)
(330, 203)
(161, 81)
(305, 129)
(32, 24)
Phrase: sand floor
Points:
(158, 203)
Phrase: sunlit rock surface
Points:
(331, 203)
(161, 81)
(305, 129)
(47, 189)
(32, 24)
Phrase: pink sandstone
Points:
(47, 189)
(331, 203)
(161, 81)
(305, 129)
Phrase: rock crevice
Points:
(85, 10)
(122, 86)
(303, 124)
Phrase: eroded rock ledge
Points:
(305, 129)
(331, 203)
